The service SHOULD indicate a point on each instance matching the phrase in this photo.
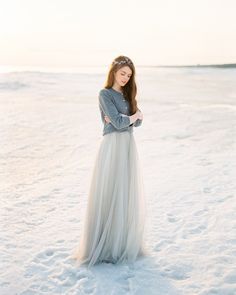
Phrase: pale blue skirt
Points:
(113, 229)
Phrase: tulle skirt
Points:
(113, 229)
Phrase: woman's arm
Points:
(117, 119)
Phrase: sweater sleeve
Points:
(110, 110)
(138, 122)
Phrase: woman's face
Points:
(123, 75)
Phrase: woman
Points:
(114, 223)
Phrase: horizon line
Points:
(51, 68)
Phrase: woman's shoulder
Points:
(104, 91)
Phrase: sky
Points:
(73, 33)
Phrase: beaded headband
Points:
(125, 61)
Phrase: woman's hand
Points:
(136, 116)
(140, 114)
(107, 119)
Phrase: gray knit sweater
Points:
(113, 104)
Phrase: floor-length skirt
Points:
(114, 224)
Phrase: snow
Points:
(50, 132)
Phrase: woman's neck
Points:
(117, 88)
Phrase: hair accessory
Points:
(125, 61)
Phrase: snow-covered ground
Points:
(50, 132)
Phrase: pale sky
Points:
(72, 33)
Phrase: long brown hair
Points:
(130, 89)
